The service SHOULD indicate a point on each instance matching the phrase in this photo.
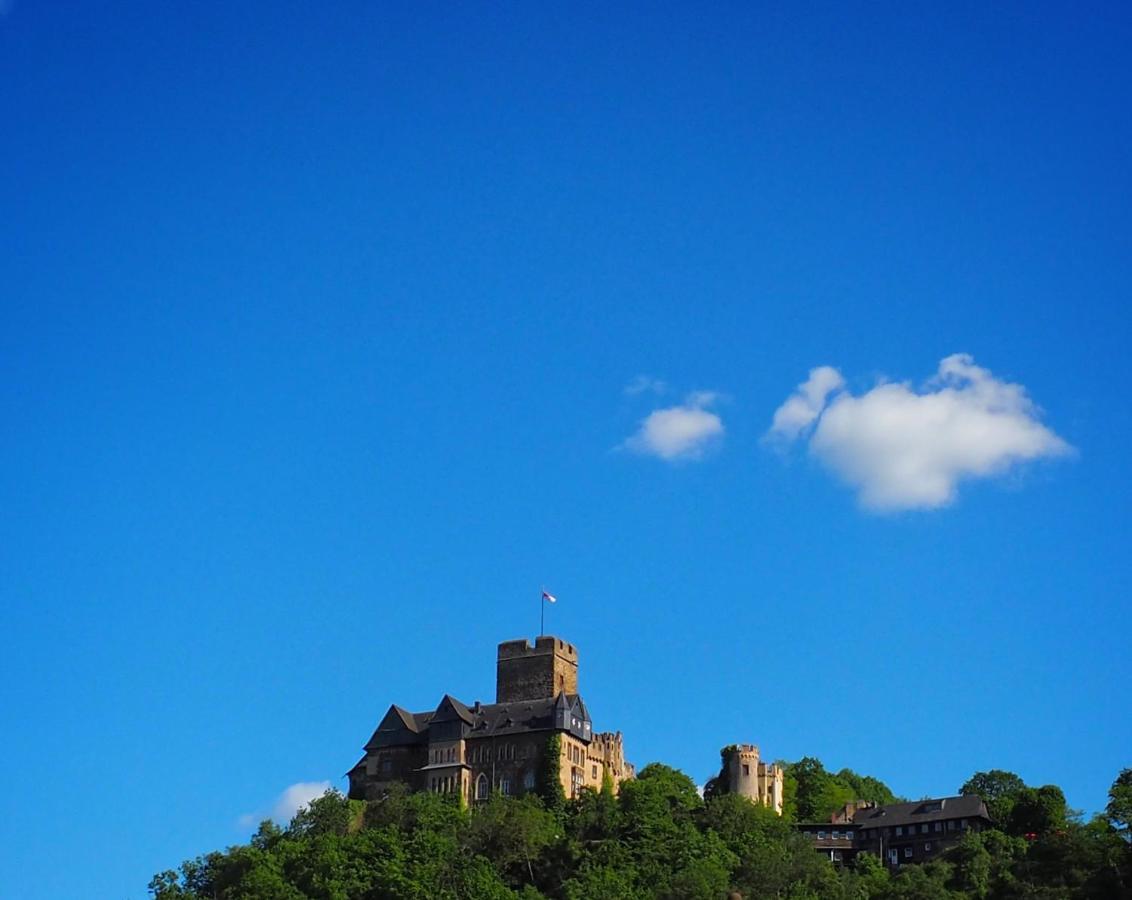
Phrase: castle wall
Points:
(526, 672)
(749, 777)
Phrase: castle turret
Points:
(526, 671)
(749, 777)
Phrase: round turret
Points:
(743, 772)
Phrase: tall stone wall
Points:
(531, 672)
(748, 776)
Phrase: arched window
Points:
(505, 785)
(482, 787)
(529, 780)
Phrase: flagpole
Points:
(542, 612)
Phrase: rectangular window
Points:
(821, 835)
(899, 830)
(962, 824)
(924, 828)
(950, 824)
(928, 848)
(939, 826)
(746, 769)
(594, 769)
(907, 852)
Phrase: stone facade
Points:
(749, 777)
(474, 750)
(526, 672)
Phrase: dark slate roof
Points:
(938, 809)
(400, 728)
(451, 709)
(397, 728)
(357, 767)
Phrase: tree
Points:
(717, 785)
(1119, 809)
(658, 813)
(814, 792)
(998, 790)
(1037, 811)
(331, 813)
(865, 787)
(971, 866)
(511, 834)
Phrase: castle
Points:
(471, 751)
(749, 777)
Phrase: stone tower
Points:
(753, 779)
(525, 671)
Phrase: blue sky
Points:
(331, 332)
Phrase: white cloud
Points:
(681, 432)
(805, 404)
(906, 449)
(645, 384)
(288, 803)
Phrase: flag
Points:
(549, 598)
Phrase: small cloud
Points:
(681, 432)
(805, 404)
(642, 384)
(907, 449)
(287, 803)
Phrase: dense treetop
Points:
(657, 839)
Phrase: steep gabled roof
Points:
(398, 726)
(359, 765)
(450, 710)
(401, 727)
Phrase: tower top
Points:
(532, 671)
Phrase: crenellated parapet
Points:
(607, 749)
(750, 777)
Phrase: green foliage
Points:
(1017, 809)
(717, 785)
(1119, 809)
(1037, 811)
(511, 834)
(549, 784)
(331, 813)
(866, 787)
(655, 840)
(998, 790)
(813, 794)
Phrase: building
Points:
(898, 833)
(749, 777)
(474, 750)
